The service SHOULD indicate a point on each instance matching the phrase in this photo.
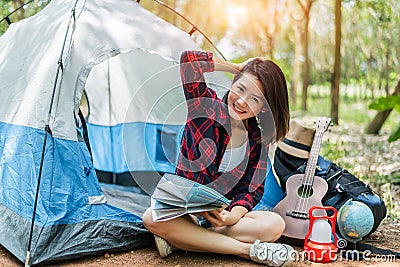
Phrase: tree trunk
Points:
(387, 71)
(306, 71)
(380, 118)
(296, 67)
(336, 68)
(20, 14)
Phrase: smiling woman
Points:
(230, 134)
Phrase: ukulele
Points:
(303, 192)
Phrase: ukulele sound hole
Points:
(305, 191)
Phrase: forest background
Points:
(340, 58)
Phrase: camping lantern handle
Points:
(313, 218)
(321, 248)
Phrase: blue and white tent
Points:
(125, 58)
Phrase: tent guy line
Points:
(194, 27)
(72, 19)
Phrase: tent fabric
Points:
(70, 180)
(68, 241)
(125, 58)
(145, 152)
(64, 212)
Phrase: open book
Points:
(175, 196)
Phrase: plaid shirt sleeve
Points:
(193, 65)
(202, 105)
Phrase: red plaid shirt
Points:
(207, 133)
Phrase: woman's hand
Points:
(220, 218)
(235, 68)
(224, 217)
(240, 66)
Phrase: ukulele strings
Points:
(309, 173)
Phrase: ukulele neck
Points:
(312, 160)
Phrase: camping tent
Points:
(125, 58)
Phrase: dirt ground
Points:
(387, 236)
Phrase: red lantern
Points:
(320, 247)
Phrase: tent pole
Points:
(7, 17)
(28, 252)
(114, 175)
(194, 28)
(47, 131)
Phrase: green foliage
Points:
(386, 103)
(4, 11)
(395, 135)
(381, 11)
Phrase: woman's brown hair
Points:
(276, 96)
